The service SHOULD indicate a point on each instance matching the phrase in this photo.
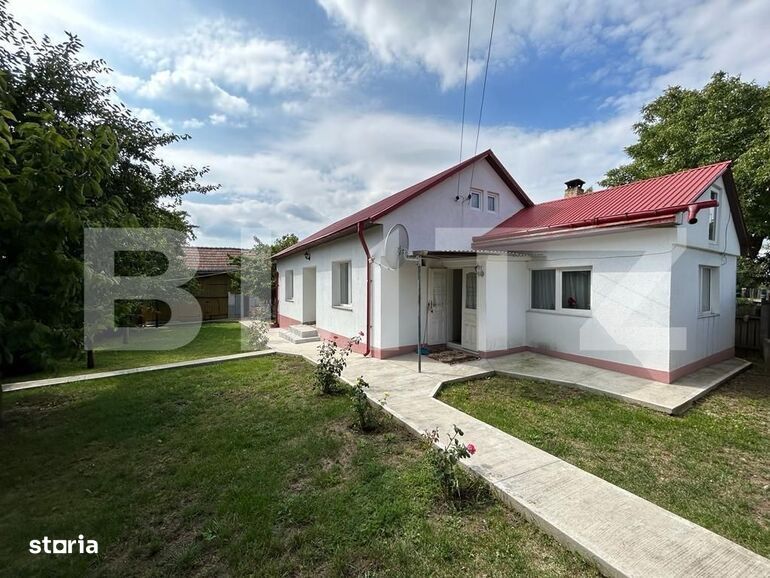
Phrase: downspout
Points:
(360, 229)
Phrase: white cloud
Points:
(217, 59)
(342, 162)
(668, 41)
(216, 119)
(193, 123)
(149, 115)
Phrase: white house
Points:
(638, 278)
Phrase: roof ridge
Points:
(210, 247)
(587, 194)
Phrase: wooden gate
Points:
(752, 330)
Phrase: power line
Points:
(483, 93)
(465, 84)
(484, 85)
(465, 92)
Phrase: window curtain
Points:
(344, 283)
(544, 289)
(705, 290)
(576, 289)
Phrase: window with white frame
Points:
(288, 285)
(709, 290)
(474, 199)
(560, 289)
(342, 287)
(544, 289)
(492, 201)
(576, 289)
(713, 214)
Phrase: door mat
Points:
(452, 356)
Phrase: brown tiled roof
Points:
(210, 259)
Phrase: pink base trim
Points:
(728, 353)
(284, 321)
(635, 370)
(643, 372)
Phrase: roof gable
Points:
(388, 204)
(634, 202)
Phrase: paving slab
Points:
(623, 534)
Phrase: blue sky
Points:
(307, 110)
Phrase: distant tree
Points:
(71, 157)
(256, 274)
(727, 119)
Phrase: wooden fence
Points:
(752, 330)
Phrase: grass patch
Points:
(213, 339)
(239, 468)
(711, 466)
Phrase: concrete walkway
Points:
(623, 534)
(672, 398)
(19, 385)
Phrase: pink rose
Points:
(471, 449)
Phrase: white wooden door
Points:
(437, 306)
(470, 302)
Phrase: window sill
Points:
(709, 314)
(343, 307)
(289, 300)
(565, 312)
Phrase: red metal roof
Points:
(380, 208)
(210, 259)
(635, 202)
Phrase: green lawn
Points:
(711, 466)
(213, 339)
(239, 468)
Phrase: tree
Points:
(256, 274)
(727, 119)
(72, 158)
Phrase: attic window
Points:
(492, 202)
(713, 217)
(475, 199)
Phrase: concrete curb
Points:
(21, 385)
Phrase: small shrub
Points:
(365, 413)
(332, 360)
(258, 334)
(445, 461)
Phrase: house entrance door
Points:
(469, 319)
(437, 306)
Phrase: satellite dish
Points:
(396, 247)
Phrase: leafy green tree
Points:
(71, 157)
(256, 274)
(728, 119)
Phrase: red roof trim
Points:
(381, 208)
(668, 194)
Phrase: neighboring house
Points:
(638, 278)
(212, 266)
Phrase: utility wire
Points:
(483, 93)
(465, 93)
(484, 85)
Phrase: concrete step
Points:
(303, 331)
(292, 337)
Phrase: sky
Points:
(306, 111)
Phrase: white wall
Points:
(436, 221)
(630, 292)
(340, 321)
